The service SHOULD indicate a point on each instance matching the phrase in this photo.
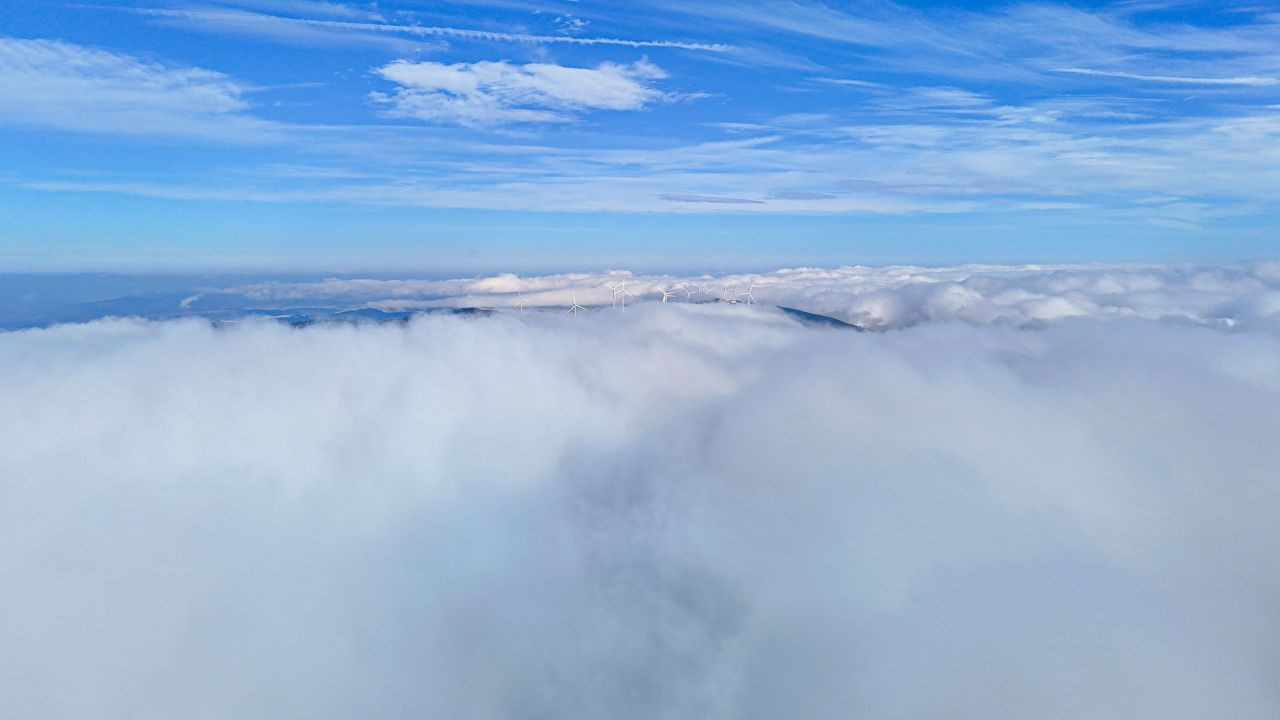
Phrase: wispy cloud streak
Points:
(56, 84)
(1254, 81)
(216, 16)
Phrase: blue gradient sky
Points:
(538, 136)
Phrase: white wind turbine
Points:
(751, 299)
(521, 302)
(667, 294)
(576, 307)
(620, 291)
(728, 290)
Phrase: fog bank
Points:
(677, 511)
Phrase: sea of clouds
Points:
(871, 297)
(677, 511)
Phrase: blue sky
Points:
(539, 136)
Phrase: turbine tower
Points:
(575, 307)
(620, 291)
(667, 294)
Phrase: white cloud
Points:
(499, 93)
(1216, 155)
(72, 87)
(672, 512)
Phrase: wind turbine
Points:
(576, 307)
(688, 292)
(620, 290)
(751, 299)
(521, 302)
(667, 294)
(725, 294)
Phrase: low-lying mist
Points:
(680, 511)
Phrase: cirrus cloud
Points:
(72, 87)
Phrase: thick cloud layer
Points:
(677, 511)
